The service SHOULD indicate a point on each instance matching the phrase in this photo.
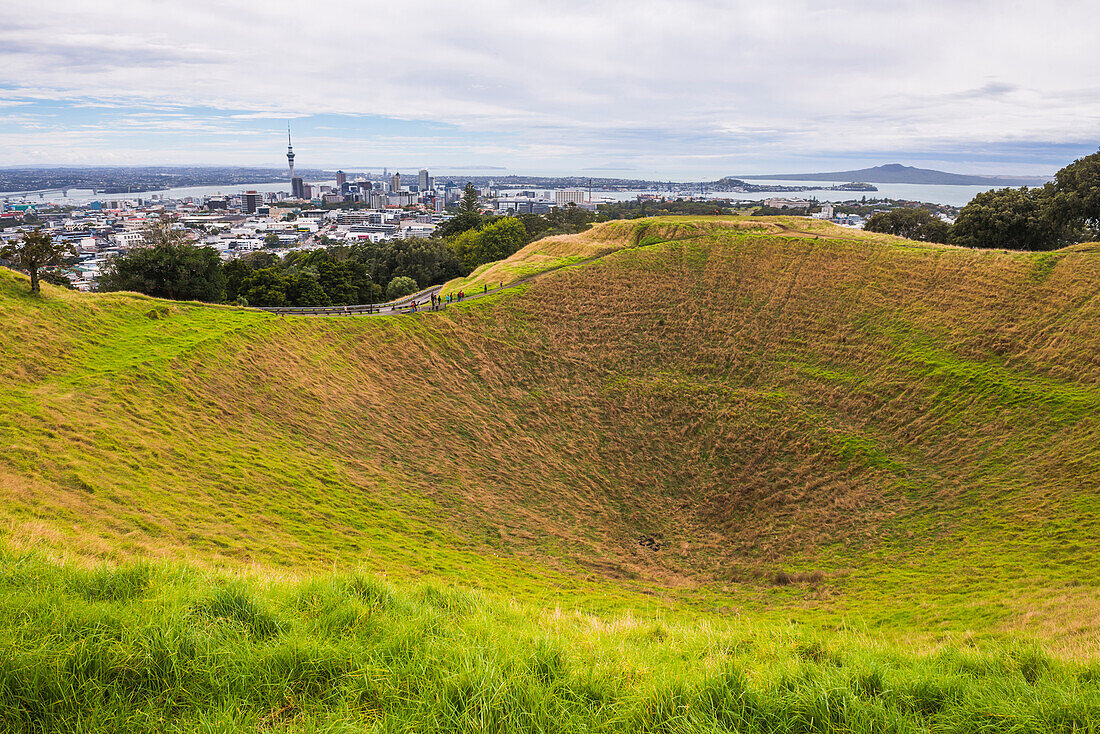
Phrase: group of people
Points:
(436, 303)
(437, 300)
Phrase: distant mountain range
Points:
(895, 173)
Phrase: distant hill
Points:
(897, 173)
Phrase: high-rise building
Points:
(395, 183)
(423, 183)
(341, 179)
(250, 201)
(289, 152)
(297, 188)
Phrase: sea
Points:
(932, 194)
(928, 193)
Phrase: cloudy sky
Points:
(672, 89)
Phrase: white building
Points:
(561, 198)
(127, 239)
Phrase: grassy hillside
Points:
(860, 414)
(160, 648)
(871, 468)
(553, 253)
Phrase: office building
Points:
(423, 181)
(562, 198)
(395, 183)
(250, 201)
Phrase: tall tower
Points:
(289, 152)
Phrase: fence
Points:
(392, 307)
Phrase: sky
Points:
(679, 89)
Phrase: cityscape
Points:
(346, 210)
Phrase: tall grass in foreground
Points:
(166, 648)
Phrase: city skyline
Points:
(697, 91)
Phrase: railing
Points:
(391, 307)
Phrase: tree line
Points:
(1064, 211)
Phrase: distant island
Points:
(895, 173)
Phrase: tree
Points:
(235, 273)
(169, 269)
(495, 241)
(468, 205)
(163, 232)
(913, 224)
(303, 289)
(265, 287)
(424, 260)
(346, 282)
(271, 240)
(570, 219)
(399, 287)
(1013, 219)
(35, 252)
(469, 215)
(1075, 202)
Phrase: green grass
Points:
(172, 649)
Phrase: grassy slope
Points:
(918, 425)
(159, 648)
(552, 253)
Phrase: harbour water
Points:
(949, 195)
(933, 194)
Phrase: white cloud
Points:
(583, 80)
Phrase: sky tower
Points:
(289, 152)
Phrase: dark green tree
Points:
(1013, 219)
(302, 289)
(468, 205)
(265, 287)
(271, 240)
(913, 224)
(569, 219)
(494, 241)
(168, 270)
(343, 281)
(236, 271)
(425, 261)
(1075, 200)
(34, 252)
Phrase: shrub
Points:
(399, 287)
